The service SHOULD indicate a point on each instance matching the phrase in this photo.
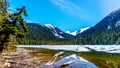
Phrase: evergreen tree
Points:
(11, 24)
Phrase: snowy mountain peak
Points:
(84, 29)
(72, 33)
(77, 32)
(110, 22)
(114, 12)
(54, 30)
(49, 26)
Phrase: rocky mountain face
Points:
(57, 32)
(47, 30)
(107, 31)
(110, 22)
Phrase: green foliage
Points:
(106, 37)
(39, 35)
(11, 24)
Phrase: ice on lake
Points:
(78, 48)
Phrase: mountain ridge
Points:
(104, 32)
(107, 31)
(58, 32)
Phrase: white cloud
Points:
(69, 7)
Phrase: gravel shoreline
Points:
(23, 58)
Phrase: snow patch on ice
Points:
(106, 48)
(78, 48)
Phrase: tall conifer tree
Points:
(11, 24)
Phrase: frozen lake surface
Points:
(74, 60)
(78, 48)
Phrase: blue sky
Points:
(68, 15)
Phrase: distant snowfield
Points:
(78, 48)
(105, 48)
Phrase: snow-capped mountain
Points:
(57, 32)
(48, 30)
(75, 33)
(110, 22)
(53, 29)
(107, 31)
